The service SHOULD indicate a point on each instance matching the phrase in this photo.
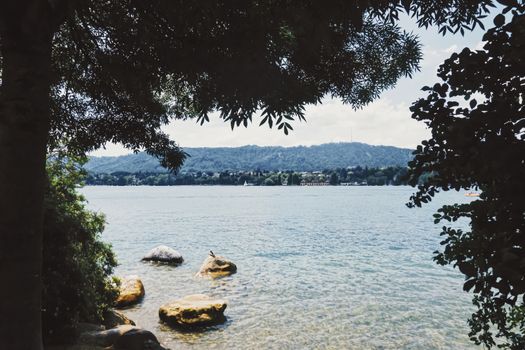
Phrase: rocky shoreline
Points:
(191, 312)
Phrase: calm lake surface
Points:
(318, 267)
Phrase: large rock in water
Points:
(216, 266)
(131, 291)
(113, 318)
(192, 311)
(137, 339)
(164, 254)
(122, 338)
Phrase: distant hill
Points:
(300, 158)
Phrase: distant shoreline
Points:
(203, 185)
(351, 176)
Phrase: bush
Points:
(76, 264)
(476, 115)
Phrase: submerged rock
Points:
(131, 291)
(196, 310)
(76, 347)
(216, 266)
(122, 337)
(113, 318)
(84, 327)
(137, 339)
(164, 254)
(103, 338)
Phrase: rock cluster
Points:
(189, 312)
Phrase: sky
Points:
(386, 121)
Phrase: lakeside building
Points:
(315, 183)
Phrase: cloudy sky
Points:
(384, 122)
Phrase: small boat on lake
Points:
(472, 194)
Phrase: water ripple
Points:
(319, 268)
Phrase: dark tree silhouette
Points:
(83, 72)
(477, 118)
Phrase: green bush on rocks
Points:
(76, 265)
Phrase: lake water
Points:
(318, 268)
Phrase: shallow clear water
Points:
(329, 268)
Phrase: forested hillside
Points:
(301, 158)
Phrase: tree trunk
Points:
(25, 39)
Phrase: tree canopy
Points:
(477, 117)
(122, 69)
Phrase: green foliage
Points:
(76, 264)
(293, 179)
(377, 179)
(334, 179)
(189, 59)
(237, 58)
(269, 182)
(477, 118)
